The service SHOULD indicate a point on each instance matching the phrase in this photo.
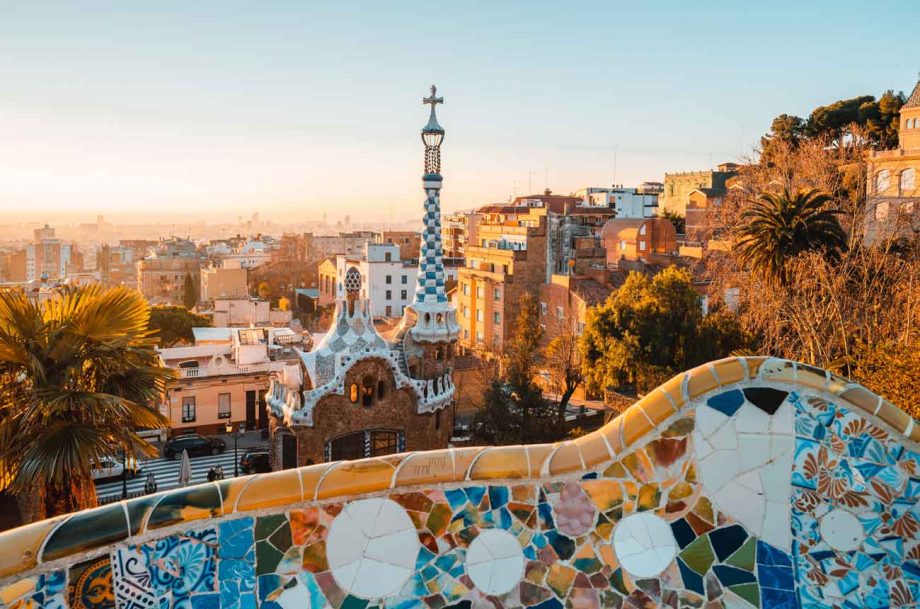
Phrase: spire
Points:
(430, 289)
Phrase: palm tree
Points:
(780, 226)
(79, 377)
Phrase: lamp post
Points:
(124, 473)
(236, 461)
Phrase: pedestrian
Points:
(212, 474)
(150, 484)
(219, 474)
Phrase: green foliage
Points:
(189, 292)
(651, 329)
(833, 119)
(173, 325)
(78, 377)
(779, 226)
(679, 222)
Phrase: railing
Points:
(230, 369)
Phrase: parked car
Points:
(112, 467)
(255, 462)
(194, 444)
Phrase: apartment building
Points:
(161, 276)
(407, 240)
(678, 186)
(224, 375)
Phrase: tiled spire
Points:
(430, 289)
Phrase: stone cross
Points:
(432, 99)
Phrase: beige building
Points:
(223, 377)
(678, 186)
(893, 203)
(162, 280)
(219, 282)
(651, 240)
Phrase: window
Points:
(437, 420)
(496, 317)
(497, 294)
(381, 390)
(388, 257)
(642, 246)
(353, 392)
(622, 244)
(466, 289)
(908, 180)
(405, 279)
(542, 308)
(560, 313)
(479, 337)
(642, 230)
(383, 443)
(403, 294)
(466, 334)
(389, 295)
(479, 315)
(480, 292)
(389, 279)
(882, 180)
(188, 409)
(389, 311)
(881, 211)
(223, 405)
(367, 391)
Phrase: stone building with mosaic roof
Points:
(893, 202)
(360, 394)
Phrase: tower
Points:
(429, 327)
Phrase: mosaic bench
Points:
(747, 482)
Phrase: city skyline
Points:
(294, 111)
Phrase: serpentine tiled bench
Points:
(747, 482)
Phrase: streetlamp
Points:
(124, 473)
(236, 461)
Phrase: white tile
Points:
(400, 549)
(750, 419)
(751, 480)
(377, 579)
(783, 422)
(776, 477)
(742, 504)
(782, 445)
(708, 420)
(346, 541)
(777, 526)
(724, 438)
(753, 451)
(718, 468)
(701, 446)
(655, 554)
(842, 530)
(506, 574)
(390, 519)
(344, 575)
(364, 512)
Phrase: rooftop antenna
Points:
(530, 182)
(614, 164)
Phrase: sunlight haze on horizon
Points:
(289, 109)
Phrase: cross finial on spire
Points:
(433, 99)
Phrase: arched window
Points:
(353, 392)
(882, 181)
(381, 390)
(908, 181)
(367, 391)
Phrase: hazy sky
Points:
(296, 108)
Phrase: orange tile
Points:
(613, 431)
(673, 389)
(701, 380)
(915, 432)
(21, 545)
(463, 457)
(230, 490)
(753, 364)
(567, 458)
(500, 462)
(310, 477)
(635, 426)
(17, 590)
(355, 477)
(894, 416)
(593, 449)
(657, 407)
(861, 397)
(537, 455)
(729, 371)
(430, 467)
(271, 490)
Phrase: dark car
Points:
(195, 445)
(255, 462)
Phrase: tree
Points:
(265, 290)
(679, 222)
(189, 292)
(563, 360)
(172, 325)
(779, 226)
(649, 330)
(834, 120)
(79, 376)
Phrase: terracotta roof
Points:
(592, 292)
(914, 100)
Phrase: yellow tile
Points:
(567, 458)
(672, 388)
(20, 546)
(729, 371)
(613, 431)
(463, 457)
(271, 490)
(230, 490)
(430, 467)
(635, 426)
(861, 397)
(355, 478)
(753, 364)
(500, 462)
(310, 477)
(657, 407)
(593, 449)
(701, 380)
(811, 377)
(537, 455)
(894, 416)
(10, 593)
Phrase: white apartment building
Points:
(628, 202)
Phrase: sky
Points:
(296, 109)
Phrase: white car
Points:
(111, 467)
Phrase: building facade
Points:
(627, 202)
(678, 186)
(161, 276)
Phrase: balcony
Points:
(231, 369)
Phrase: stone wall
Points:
(748, 482)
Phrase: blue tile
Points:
(727, 403)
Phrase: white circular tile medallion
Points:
(841, 530)
(644, 544)
(495, 561)
(372, 547)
